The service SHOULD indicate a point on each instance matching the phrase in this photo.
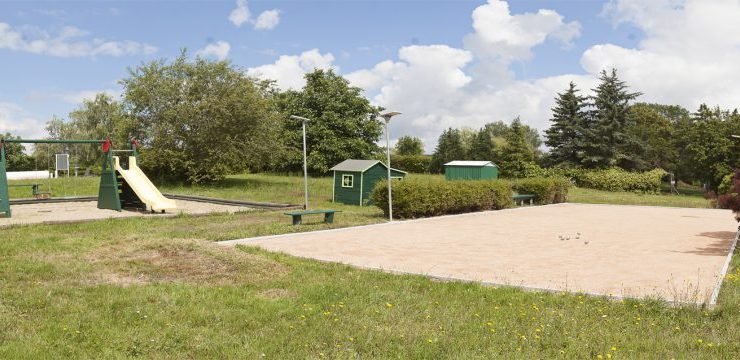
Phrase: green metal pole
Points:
(108, 197)
(4, 193)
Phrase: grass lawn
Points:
(591, 196)
(160, 288)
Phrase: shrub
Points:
(414, 198)
(418, 164)
(726, 183)
(551, 190)
(731, 199)
(621, 180)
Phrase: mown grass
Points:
(591, 196)
(289, 189)
(160, 288)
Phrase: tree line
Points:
(199, 120)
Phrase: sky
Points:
(442, 63)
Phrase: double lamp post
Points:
(387, 117)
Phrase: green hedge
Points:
(418, 164)
(414, 198)
(550, 190)
(621, 180)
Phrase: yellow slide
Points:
(143, 187)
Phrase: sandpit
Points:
(674, 254)
(51, 213)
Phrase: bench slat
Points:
(310, 212)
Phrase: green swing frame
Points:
(108, 192)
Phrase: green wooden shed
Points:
(470, 170)
(354, 180)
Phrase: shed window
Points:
(399, 178)
(348, 181)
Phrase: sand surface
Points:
(676, 254)
(87, 210)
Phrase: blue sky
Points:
(351, 35)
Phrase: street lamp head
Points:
(387, 116)
(294, 117)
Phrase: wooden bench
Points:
(519, 199)
(297, 215)
(35, 189)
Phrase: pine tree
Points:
(606, 141)
(516, 154)
(568, 120)
(449, 148)
(482, 147)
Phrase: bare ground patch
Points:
(133, 261)
(275, 294)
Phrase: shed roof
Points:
(359, 165)
(470, 163)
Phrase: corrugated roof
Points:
(358, 165)
(470, 163)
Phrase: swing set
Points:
(111, 191)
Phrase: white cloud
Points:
(438, 86)
(687, 56)
(267, 20)
(68, 42)
(219, 50)
(288, 70)
(16, 120)
(240, 14)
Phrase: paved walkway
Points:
(676, 254)
(88, 210)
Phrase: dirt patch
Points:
(135, 262)
(275, 294)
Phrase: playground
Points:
(673, 254)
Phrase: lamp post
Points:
(305, 164)
(387, 117)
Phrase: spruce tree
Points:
(449, 148)
(568, 120)
(516, 154)
(482, 147)
(606, 141)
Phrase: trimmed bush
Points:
(621, 180)
(415, 198)
(418, 164)
(550, 190)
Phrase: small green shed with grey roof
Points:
(354, 180)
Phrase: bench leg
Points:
(329, 218)
(297, 219)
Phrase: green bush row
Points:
(621, 180)
(415, 198)
(613, 179)
(418, 164)
(551, 190)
